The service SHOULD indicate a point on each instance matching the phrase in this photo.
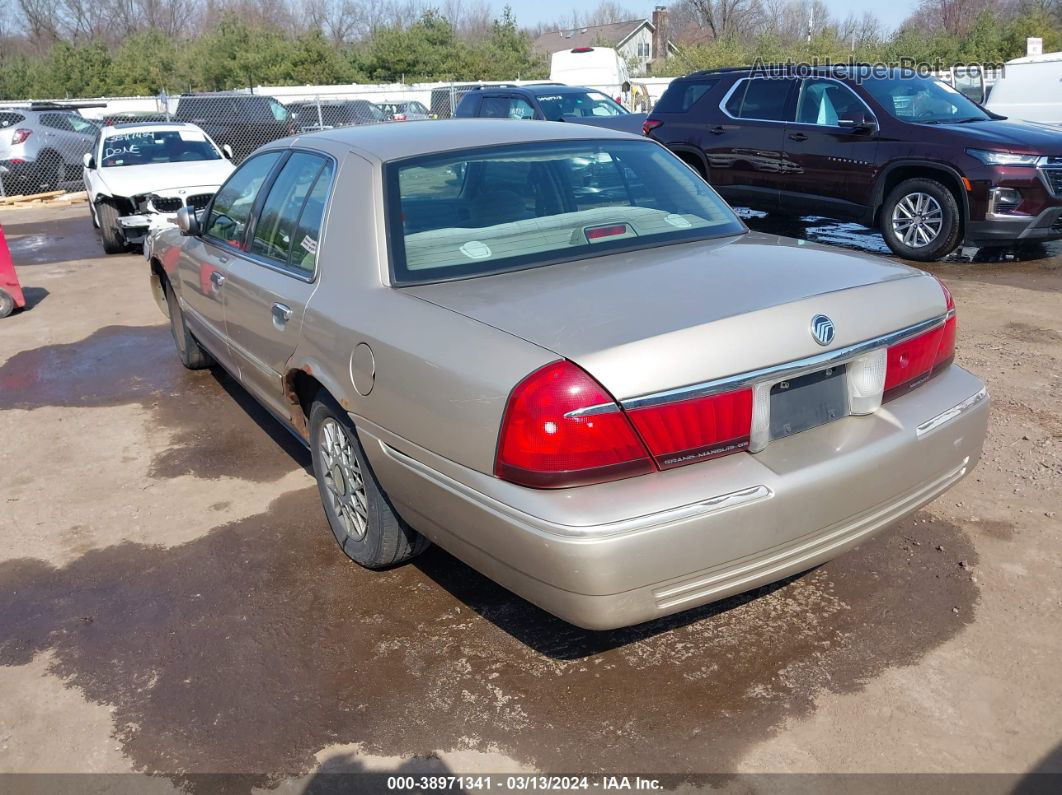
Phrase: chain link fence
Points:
(44, 143)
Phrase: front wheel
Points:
(107, 218)
(361, 517)
(189, 350)
(920, 220)
(7, 303)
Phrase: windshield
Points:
(586, 103)
(161, 146)
(923, 100)
(482, 211)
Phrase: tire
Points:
(50, 172)
(190, 352)
(936, 227)
(92, 216)
(361, 517)
(7, 303)
(107, 219)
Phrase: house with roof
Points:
(639, 41)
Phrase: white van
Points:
(1030, 89)
(594, 67)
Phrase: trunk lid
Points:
(662, 318)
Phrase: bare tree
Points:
(726, 18)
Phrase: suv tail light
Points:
(398, 117)
(912, 362)
(20, 135)
(561, 428)
(696, 430)
(649, 125)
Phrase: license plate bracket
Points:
(799, 404)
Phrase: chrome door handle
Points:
(223, 259)
(281, 314)
(217, 278)
(717, 130)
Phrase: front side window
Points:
(760, 98)
(577, 103)
(275, 235)
(494, 108)
(522, 206)
(923, 100)
(156, 146)
(232, 204)
(826, 102)
(280, 113)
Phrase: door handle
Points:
(717, 130)
(222, 259)
(217, 278)
(797, 137)
(281, 314)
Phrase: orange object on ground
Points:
(9, 284)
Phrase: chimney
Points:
(660, 33)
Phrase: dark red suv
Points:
(887, 148)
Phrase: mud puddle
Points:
(218, 429)
(253, 647)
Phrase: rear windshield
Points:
(164, 146)
(481, 211)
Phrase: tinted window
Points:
(307, 234)
(57, 121)
(494, 107)
(233, 203)
(527, 205)
(763, 98)
(274, 232)
(7, 119)
(825, 102)
(573, 103)
(923, 100)
(682, 96)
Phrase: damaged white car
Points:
(139, 175)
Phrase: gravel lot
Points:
(172, 602)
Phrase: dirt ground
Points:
(172, 602)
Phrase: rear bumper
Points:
(674, 540)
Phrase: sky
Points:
(531, 12)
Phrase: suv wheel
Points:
(920, 220)
(50, 173)
(359, 513)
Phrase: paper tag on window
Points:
(192, 135)
(309, 244)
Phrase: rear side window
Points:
(8, 119)
(275, 233)
(760, 98)
(232, 205)
(682, 96)
(494, 107)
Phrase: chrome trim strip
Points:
(947, 416)
(749, 378)
(592, 411)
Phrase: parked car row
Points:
(555, 350)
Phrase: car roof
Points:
(386, 142)
(146, 126)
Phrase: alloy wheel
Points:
(344, 479)
(917, 219)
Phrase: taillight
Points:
(912, 362)
(20, 135)
(561, 428)
(696, 430)
(399, 117)
(649, 125)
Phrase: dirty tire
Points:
(189, 350)
(7, 303)
(950, 229)
(385, 539)
(50, 172)
(113, 243)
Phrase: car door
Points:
(269, 284)
(203, 264)
(69, 135)
(744, 146)
(832, 144)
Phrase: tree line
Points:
(87, 48)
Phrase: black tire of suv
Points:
(950, 231)
(50, 172)
(388, 541)
(113, 242)
(189, 351)
(7, 303)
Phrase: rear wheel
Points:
(107, 220)
(359, 513)
(50, 172)
(7, 303)
(191, 353)
(920, 220)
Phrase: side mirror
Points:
(188, 222)
(89, 161)
(227, 151)
(861, 122)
